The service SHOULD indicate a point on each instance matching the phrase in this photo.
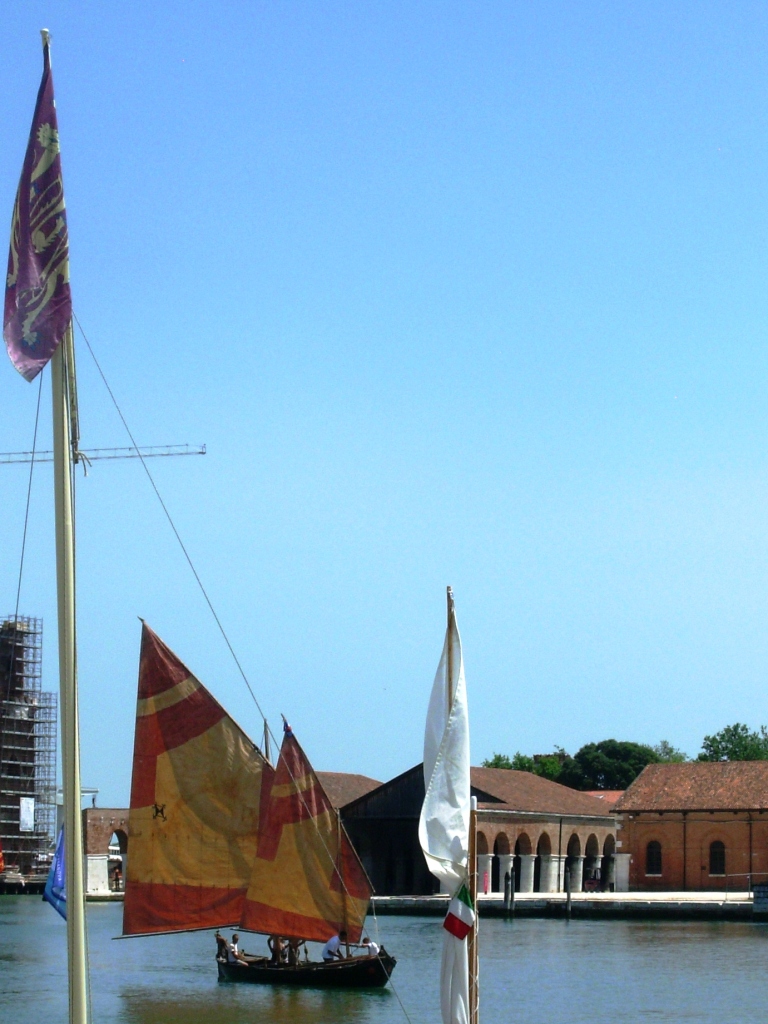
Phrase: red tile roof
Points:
(699, 786)
(524, 791)
(608, 796)
(342, 787)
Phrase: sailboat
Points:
(220, 838)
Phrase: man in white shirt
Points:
(370, 947)
(234, 956)
(331, 950)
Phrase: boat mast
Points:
(62, 368)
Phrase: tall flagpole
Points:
(472, 943)
(65, 585)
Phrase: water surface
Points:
(538, 971)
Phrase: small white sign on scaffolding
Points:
(26, 814)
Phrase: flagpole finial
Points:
(449, 600)
(46, 36)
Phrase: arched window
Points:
(717, 858)
(653, 858)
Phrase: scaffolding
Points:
(27, 749)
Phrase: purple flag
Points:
(38, 304)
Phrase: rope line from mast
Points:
(208, 601)
(169, 517)
(29, 497)
(218, 622)
(14, 644)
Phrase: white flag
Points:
(444, 821)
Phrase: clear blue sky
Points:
(467, 293)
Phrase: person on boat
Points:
(332, 950)
(276, 948)
(370, 947)
(222, 946)
(294, 948)
(234, 956)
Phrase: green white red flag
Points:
(460, 918)
(38, 304)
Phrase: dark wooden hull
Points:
(359, 972)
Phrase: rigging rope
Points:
(168, 516)
(14, 642)
(218, 622)
(29, 495)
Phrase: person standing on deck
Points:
(331, 950)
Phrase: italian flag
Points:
(461, 914)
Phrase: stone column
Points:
(592, 869)
(484, 866)
(556, 873)
(527, 863)
(621, 862)
(506, 864)
(551, 872)
(577, 874)
(609, 872)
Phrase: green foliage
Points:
(736, 743)
(548, 766)
(610, 764)
(501, 761)
(615, 764)
(571, 775)
(523, 763)
(668, 754)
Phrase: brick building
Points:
(100, 824)
(701, 825)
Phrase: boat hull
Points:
(359, 972)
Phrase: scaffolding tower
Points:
(27, 749)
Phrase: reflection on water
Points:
(539, 971)
(250, 1005)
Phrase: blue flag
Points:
(55, 891)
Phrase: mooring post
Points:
(507, 894)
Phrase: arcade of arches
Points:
(538, 853)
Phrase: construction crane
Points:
(90, 454)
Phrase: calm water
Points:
(537, 971)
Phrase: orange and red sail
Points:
(217, 836)
(307, 880)
(195, 801)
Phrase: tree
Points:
(548, 766)
(736, 743)
(669, 754)
(523, 763)
(610, 764)
(499, 761)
